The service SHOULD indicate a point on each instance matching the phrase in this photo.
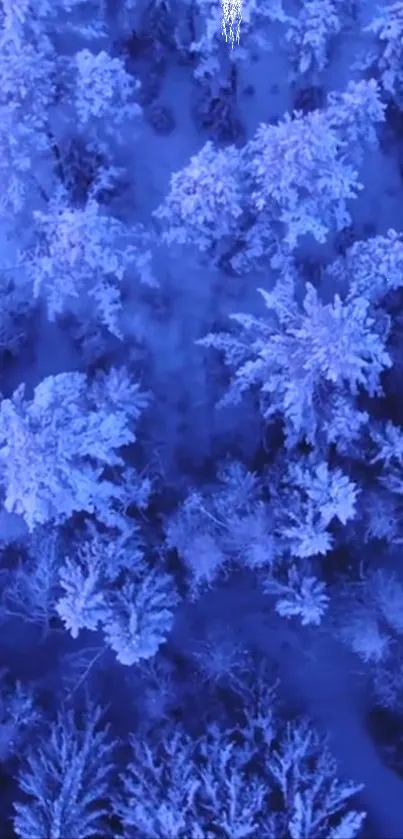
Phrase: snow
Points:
(185, 433)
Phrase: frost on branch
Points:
(193, 786)
(388, 446)
(22, 149)
(292, 173)
(300, 176)
(300, 595)
(17, 312)
(310, 497)
(371, 268)
(354, 115)
(140, 615)
(86, 577)
(80, 258)
(108, 585)
(65, 780)
(104, 93)
(362, 633)
(303, 171)
(227, 524)
(33, 18)
(158, 787)
(204, 204)
(388, 440)
(82, 604)
(344, 424)
(32, 587)
(295, 360)
(22, 18)
(309, 36)
(236, 784)
(386, 524)
(386, 590)
(192, 533)
(330, 491)
(28, 72)
(28, 67)
(18, 716)
(313, 797)
(56, 446)
(385, 59)
(292, 179)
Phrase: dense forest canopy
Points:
(201, 419)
